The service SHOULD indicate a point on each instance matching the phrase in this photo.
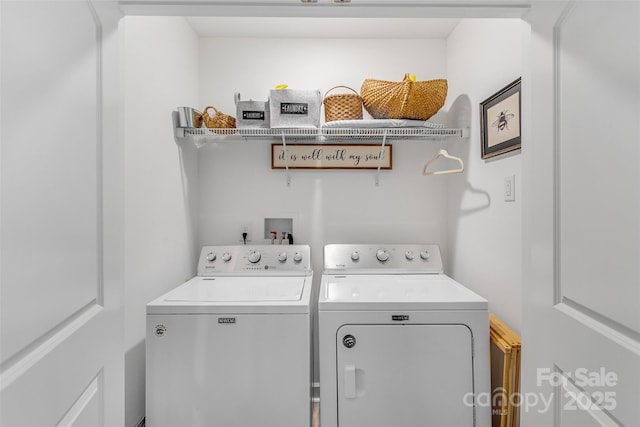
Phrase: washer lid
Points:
(424, 291)
(216, 295)
(238, 289)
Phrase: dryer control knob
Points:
(349, 341)
(409, 255)
(226, 257)
(382, 255)
(211, 256)
(282, 256)
(254, 256)
(297, 257)
(424, 255)
(355, 256)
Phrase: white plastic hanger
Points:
(443, 153)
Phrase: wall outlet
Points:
(245, 228)
(510, 188)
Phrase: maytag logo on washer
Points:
(399, 317)
(160, 330)
(226, 320)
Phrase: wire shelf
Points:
(202, 135)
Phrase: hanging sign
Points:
(331, 156)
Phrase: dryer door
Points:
(405, 376)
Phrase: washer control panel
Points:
(258, 260)
(381, 259)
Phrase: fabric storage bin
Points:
(295, 108)
(252, 114)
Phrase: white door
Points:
(405, 376)
(62, 358)
(581, 320)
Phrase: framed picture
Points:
(500, 125)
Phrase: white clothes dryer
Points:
(232, 346)
(401, 344)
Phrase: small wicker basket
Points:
(407, 99)
(219, 120)
(342, 106)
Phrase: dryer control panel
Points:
(255, 260)
(382, 259)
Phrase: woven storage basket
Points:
(219, 120)
(403, 100)
(342, 106)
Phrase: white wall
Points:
(331, 206)
(485, 236)
(160, 74)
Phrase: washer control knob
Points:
(282, 256)
(355, 256)
(424, 255)
(297, 257)
(409, 255)
(226, 257)
(382, 255)
(254, 256)
(211, 256)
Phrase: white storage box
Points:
(294, 108)
(252, 114)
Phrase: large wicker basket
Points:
(342, 106)
(407, 99)
(218, 120)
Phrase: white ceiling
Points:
(306, 27)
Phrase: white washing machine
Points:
(232, 346)
(401, 344)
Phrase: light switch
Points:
(510, 188)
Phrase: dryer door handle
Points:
(350, 382)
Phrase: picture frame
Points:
(500, 121)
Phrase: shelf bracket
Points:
(286, 164)
(384, 142)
